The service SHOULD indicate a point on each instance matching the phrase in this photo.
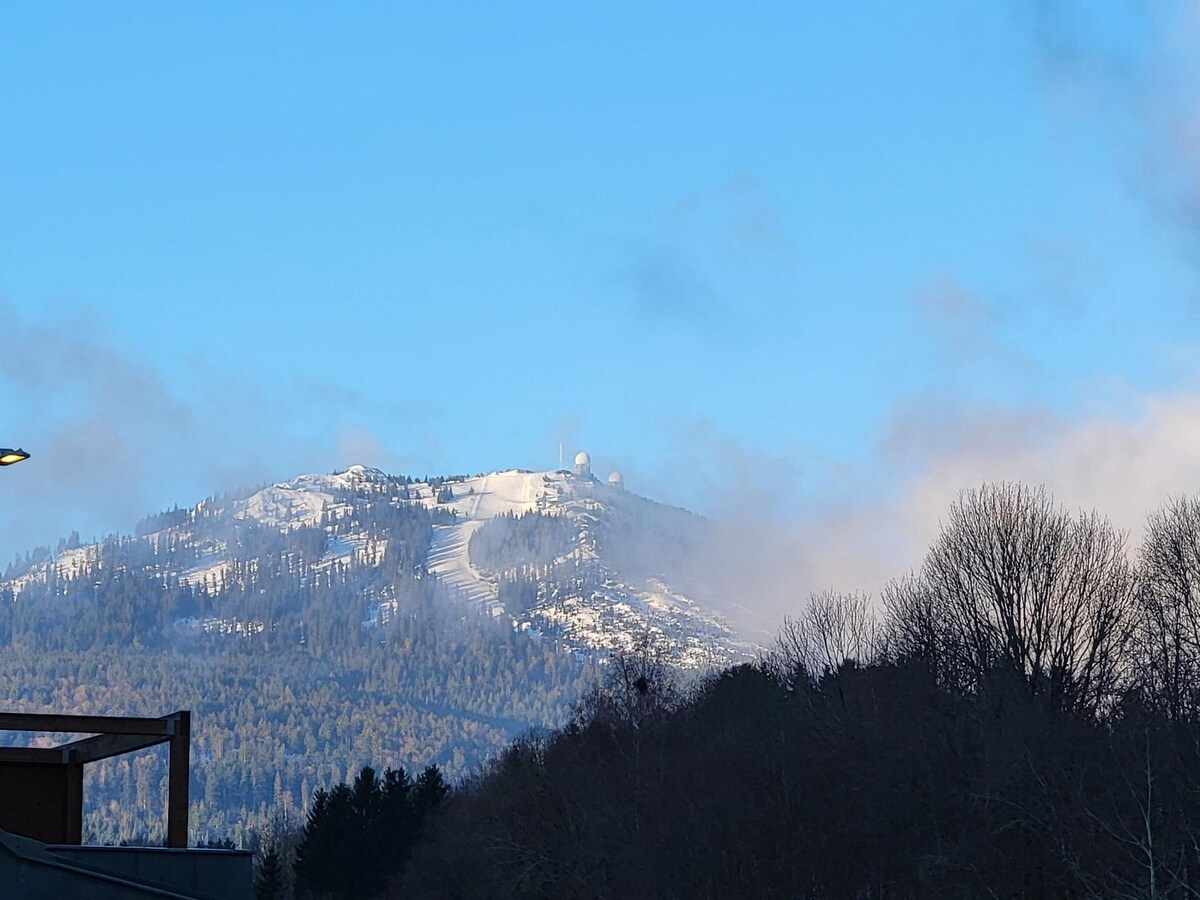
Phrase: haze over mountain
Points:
(555, 554)
(337, 620)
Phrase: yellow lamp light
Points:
(8, 457)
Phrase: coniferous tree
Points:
(358, 836)
(269, 882)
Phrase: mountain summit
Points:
(338, 620)
(560, 555)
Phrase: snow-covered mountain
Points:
(558, 555)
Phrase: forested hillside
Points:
(299, 669)
(333, 621)
(272, 725)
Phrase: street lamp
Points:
(8, 457)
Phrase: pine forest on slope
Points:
(333, 621)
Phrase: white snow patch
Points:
(476, 501)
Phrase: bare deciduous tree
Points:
(1013, 582)
(638, 686)
(1169, 628)
(832, 629)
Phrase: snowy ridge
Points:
(622, 578)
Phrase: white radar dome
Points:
(583, 465)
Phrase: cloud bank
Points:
(785, 526)
(874, 522)
(112, 440)
(1132, 71)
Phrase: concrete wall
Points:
(33, 871)
(216, 873)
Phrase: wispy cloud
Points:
(114, 440)
(737, 219)
(979, 341)
(1123, 462)
(666, 286)
(1134, 67)
(751, 227)
(687, 250)
(787, 523)
(963, 323)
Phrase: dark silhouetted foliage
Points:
(1023, 724)
(358, 836)
(269, 881)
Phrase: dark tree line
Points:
(358, 836)
(1023, 721)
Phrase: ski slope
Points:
(476, 501)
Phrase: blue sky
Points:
(807, 256)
